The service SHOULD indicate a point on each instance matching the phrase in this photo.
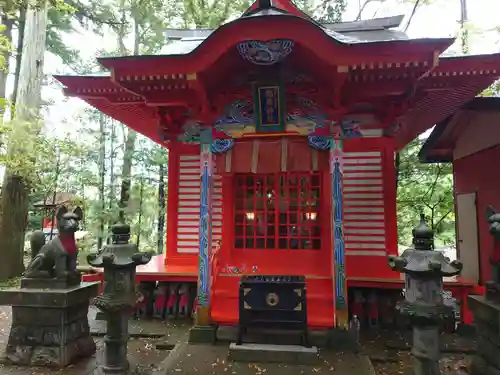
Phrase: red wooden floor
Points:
(156, 270)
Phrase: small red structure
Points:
(470, 139)
(49, 208)
(281, 135)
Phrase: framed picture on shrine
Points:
(269, 108)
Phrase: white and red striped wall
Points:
(369, 205)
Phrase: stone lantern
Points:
(486, 309)
(118, 300)
(424, 269)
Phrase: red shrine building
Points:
(470, 139)
(281, 135)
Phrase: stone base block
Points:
(50, 328)
(289, 354)
(467, 330)
(72, 280)
(487, 319)
(49, 356)
(132, 369)
(203, 334)
(479, 366)
(338, 339)
(101, 315)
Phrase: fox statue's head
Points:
(493, 218)
(67, 221)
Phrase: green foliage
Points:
(493, 90)
(331, 11)
(5, 50)
(210, 14)
(428, 189)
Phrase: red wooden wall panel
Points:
(472, 174)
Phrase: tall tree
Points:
(424, 188)
(464, 31)
(22, 141)
(210, 14)
(146, 21)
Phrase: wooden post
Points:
(340, 288)
(206, 169)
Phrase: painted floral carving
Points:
(265, 52)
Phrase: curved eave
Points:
(332, 47)
(96, 87)
(439, 146)
(470, 76)
(470, 62)
(138, 117)
(84, 84)
(428, 154)
(85, 80)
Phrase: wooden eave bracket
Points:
(434, 63)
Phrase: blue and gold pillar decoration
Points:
(206, 169)
(336, 169)
(328, 139)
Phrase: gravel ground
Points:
(388, 350)
(390, 354)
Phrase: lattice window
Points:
(277, 211)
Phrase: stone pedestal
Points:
(49, 326)
(487, 320)
(206, 334)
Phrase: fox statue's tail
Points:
(37, 241)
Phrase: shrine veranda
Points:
(281, 135)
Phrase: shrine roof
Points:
(439, 146)
(379, 64)
(187, 45)
(348, 36)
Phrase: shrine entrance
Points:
(279, 211)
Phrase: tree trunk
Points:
(54, 193)
(128, 155)
(111, 191)
(397, 165)
(19, 55)
(464, 19)
(14, 200)
(128, 152)
(102, 175)
(139, 221)
(161, 207)
(4, 71)
(412, 14)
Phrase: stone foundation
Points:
(262, 353)
(487, 320)
(49, 326)
(203, 334)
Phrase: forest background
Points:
(50, 143)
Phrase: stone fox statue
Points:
(56, 258)
(493, 218)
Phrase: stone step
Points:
(136, 329)
(273, 336)
(266, 353)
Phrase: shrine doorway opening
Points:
(278, 211)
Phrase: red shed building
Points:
(470, 139)
(282, 134)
